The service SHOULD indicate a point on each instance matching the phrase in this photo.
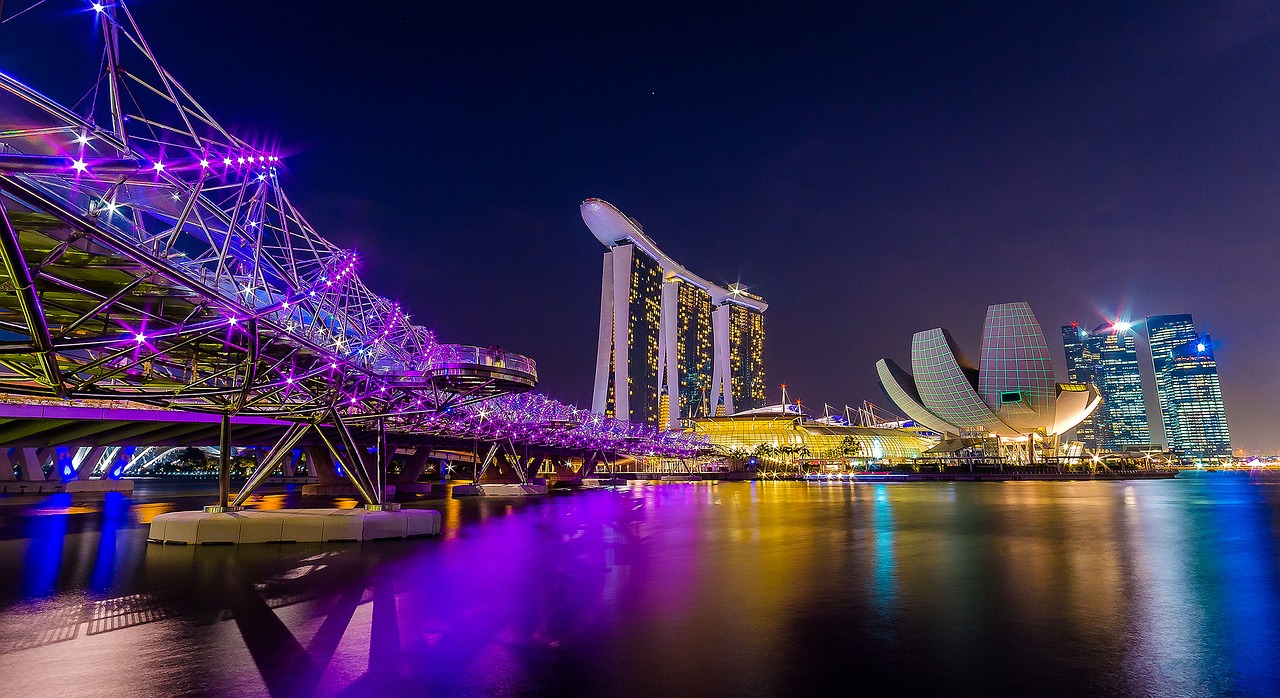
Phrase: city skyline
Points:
(311, 412)
(849, 175)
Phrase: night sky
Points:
(871, 171)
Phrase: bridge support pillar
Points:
(224, 462)
(532, 465)
(291, 464)
(321, 465)
(32, 463)
(6, 464)
(414, 465)
(89, 461)
(589, 465)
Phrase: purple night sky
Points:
(871, 171)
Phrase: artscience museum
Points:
(1011, 396)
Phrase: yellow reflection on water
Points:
(344, 503)
(267, 502)
(144, 513)
(69, 509)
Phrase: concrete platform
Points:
(291, 526)
(681, 478)
(318, 490)
(499, 490)
(596, 482)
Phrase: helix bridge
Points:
(152, 259)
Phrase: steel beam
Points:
(29, 302)
(266, 464)
(224, 461)
(354, 465)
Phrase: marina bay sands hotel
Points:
(672, 344)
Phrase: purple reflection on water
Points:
(680, 589)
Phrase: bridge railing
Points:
(446, 356)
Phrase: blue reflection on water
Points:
(46, 535)
(1243, 549)
(115, 516)
(885, 574)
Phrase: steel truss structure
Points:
(148, 254)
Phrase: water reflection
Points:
(46, 535)
(885, 576)
(115, 515)
(1155, 588)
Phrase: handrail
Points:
(446, 356)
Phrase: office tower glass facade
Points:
(1107, 357)
(1195, 419)
(1081, 368)
(1122, 419)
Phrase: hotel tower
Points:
(672, 344)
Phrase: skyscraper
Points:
(746, 350)
(1107, 357)
(1082, 365)
(1195, 420)
(681, 345)
(631, 291)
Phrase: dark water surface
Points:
(1093, 588)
